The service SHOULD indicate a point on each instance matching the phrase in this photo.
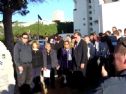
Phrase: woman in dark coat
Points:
(50, 63)
(37, 63)
(66, 62)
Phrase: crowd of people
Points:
(60, 58)
(95, 63)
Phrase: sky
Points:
(46, 11)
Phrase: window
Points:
(83, 18)
(96, 21)
(91, 29)
(89, 1)
(90, 7)
(75, 9)
(77, 30)
(75, 1)
(84, 24)
(90, 12)
(90, 18)
(91, 23)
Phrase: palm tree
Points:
(8, 8)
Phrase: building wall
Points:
(86, 16)
(96, 14)
(114, 15)
(80, 16)
(99, 15)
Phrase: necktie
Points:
(69, 57)
(75, 45)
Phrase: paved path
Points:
(62, 90)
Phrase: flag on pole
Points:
(39, 17)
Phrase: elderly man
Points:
(115, 85)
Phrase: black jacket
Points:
(37, 59)
(112, 85)
(80, 53)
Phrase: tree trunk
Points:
(7, 22)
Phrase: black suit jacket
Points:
(80, 53)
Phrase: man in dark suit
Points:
(117, 84)
(80, 51)
(80, 56)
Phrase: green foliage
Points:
(1, 34)
(1, 38)
(8, 8)
(35, 29)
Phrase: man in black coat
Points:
(80, 56)
(80, 51)
(117, 84)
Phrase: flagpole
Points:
(39, 18)
(38, 28)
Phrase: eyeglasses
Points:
(25, 37)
